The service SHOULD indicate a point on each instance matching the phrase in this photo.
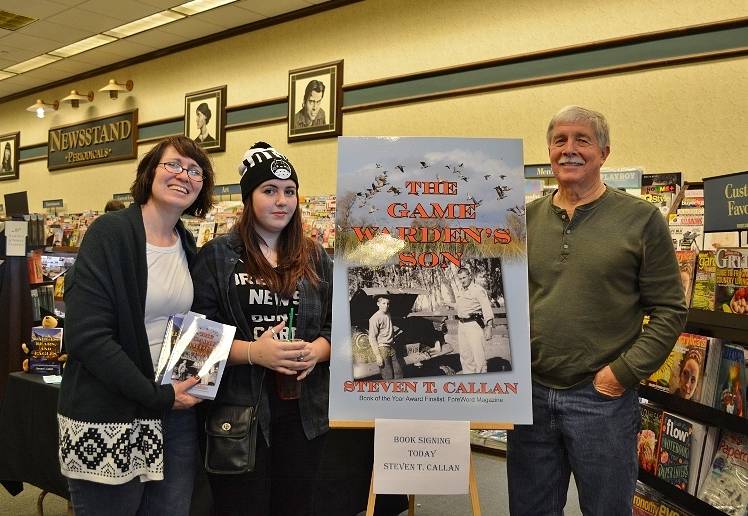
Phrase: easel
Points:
(472, 481)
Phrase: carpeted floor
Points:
(490, 472)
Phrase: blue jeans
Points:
(171, 496)
(576, 431)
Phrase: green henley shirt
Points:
(592, 279)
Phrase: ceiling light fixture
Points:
(200, 6)
(31, 64)
(76, 98)
(40, 107)
(143, 24)
(82, 45)
(115, 87)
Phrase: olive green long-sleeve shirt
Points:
(592, 280)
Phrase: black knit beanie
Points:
(261, 163)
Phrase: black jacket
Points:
(108, 382)
(216, 297)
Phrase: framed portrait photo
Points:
(9, 148)
(315, 100)
(205, 118)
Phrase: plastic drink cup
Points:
(287, 386)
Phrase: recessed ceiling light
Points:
(143, 24)
(31, 64)
(82, 45)
(6, 75)
(199, 6)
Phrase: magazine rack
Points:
(472, 481)
(725, 326)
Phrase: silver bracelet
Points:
(249, 358)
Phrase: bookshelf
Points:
(727, 326)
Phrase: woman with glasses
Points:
(127, 444)
(275, 286)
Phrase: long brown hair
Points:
(297, 254)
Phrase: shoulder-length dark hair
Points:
(297, 254)
(141, 186)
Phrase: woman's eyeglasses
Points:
(194, 173)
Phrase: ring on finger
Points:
(299, 357)
(272, 330)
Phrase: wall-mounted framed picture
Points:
(315, 101)
(9, 147)
(205, 118)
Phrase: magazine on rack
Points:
(201, 350)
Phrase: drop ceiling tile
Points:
(61, 34)
(33, 8)
(85, 20)
(190, 28)
(162, 4)
(125, 48)
(272, 8)
(156, 39)
(16, 55)
(230, 16)
(124, 11)
(30, 43)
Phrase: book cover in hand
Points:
(730, 395)
(202, 349)
(173, 330)
(704, 282)
(726, 485)
(45, 350)
(674, 451)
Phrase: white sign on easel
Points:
(15, 234)
(421, 457)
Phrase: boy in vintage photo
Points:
(382, 338)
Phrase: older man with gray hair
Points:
(599, 260)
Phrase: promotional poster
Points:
(430, 282)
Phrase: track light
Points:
(41, 108)
(76, 98)
(115, 87)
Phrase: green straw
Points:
(290, 324)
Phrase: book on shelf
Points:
(693, 192)
(731, 381)
(682, 372)
(680, 451)
(45, 350)
(713, 241)
(726, 484)
(687, 268)
(649, 437)
(731, 280)
(687, 237)
(34, 262)
(661, 198)
(702, 296)
(646, 501)
(685, 220)
(711, 371)
(201, 350)
(205, 233)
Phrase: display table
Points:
(28, 435)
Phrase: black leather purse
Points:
(231, 438)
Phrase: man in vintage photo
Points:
(202, 119)
(382, 341)
(475, 321)
(311, 113)
(599, 259)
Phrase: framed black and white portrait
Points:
(315, 100)
(9, 147)
(205, 118)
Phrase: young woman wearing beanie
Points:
(274, 285)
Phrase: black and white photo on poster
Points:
(438, 319)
